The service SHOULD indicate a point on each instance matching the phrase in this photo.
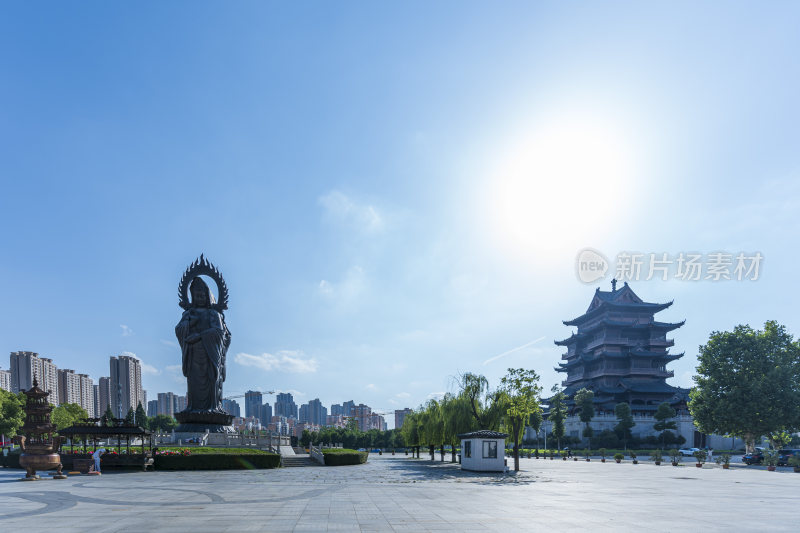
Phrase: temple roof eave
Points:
(645, 306)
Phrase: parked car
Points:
(755, 458)
(785, 454)
(688, 452)
(362, 449)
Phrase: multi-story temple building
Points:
(620, 352)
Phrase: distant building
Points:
(337, 410)
(180, 404)
(265, 413)
(87, 395)
(335, 421)
(126, 385)
(363, 414)
(104, 396)
(5, 380)
(166, 403)
(152, 408)
(69, 386)
(285, 406)
(25, 365)
(377, 421)
(303, 416)
(231, 407)
(96, 399)
(348, 408)
(400, 416)
(252, 403)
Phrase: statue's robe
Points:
(204, 359)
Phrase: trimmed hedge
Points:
(344, 456)
(218, 461)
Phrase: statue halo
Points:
(203, 267)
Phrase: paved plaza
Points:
(403, 494)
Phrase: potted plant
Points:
(700, 455)
(587, 452)
(724, 460)
(563, 455)
(602, 455)
(771, 459)
(577, 453)
(633, 456)
(675, 455)
(618, 457)
(794, 461)
(657, 457)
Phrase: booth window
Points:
(467, 448)
(490, 449)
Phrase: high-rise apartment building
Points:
(400, 416)
(5, 380)
(316, 413)
(152, 408)
(362, 413)
(104, 396)
(336, 410)
(231, 407)
(25, 365)
(285, 406)
(126, 385)
(69, 386)
(348, 408)
(180, 404)
(252, 404)
(87, 394)
(265, 413)
(302, 417)
(166, 404)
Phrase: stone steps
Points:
(299, 461)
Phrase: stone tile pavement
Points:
(403, 494)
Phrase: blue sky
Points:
(394, 193)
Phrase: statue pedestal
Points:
(204, 422)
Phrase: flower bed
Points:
(343, 456)
(215, 459)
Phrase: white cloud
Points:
(371, 386)
(284, 361)
(126, 331)
(352, 285)
(364, 217)
(436, 395)
(402, 395)
(171, 344)
(393, 401)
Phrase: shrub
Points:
(656, 456)
(618, 457)
(771, 457)
(701, 456)
(602, 452)
(632, 454)
(675, 455)
(794, 461)
(344, 456)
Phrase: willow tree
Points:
(487, 406)
(410, 431)
(457, 416)
(431, 427)
(521, 390)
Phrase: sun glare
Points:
(561, 187)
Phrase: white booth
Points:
(483, 451)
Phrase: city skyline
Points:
(388, 211)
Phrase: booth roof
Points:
(483, 434)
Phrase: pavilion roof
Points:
(621, 299)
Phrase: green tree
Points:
(584, 401)
(486, 405)
(624, 422)
(521, 390)
(457, 416)
(12, 416)
(108, 417)
(558, 413)
(747, 383)
(68, 414)
(535, 423)
(161, 423)
(664, 415)
(141, 416)
(305, 438)
(130, 417)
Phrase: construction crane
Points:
(268, 392)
